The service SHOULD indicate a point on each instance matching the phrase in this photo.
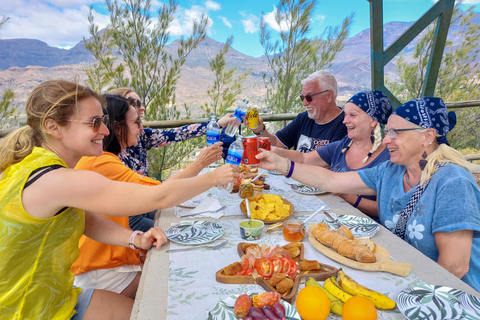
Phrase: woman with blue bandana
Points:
(426, 194)
(362, 148)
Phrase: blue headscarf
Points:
(374, 103)
(429, 112)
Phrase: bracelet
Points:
(132, 237)
(359, 198)
(263, 130)
(290, 169)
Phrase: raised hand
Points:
(271, 161)
(226, 174)
(226, 119)
(210, 154)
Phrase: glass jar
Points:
(293, 230)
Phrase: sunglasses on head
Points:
(96, 123)
(308, 97)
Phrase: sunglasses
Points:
(138, 121)
(135, 102)
(308, 97)
(96, 123)
(392, 133)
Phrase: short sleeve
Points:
(327, 152)
(289, 134)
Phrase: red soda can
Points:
(250, 150)
(264, 143)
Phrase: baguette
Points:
(340, 241)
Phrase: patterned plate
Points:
(223, 310)
(437, 302)
(194, 232)
(361, 227)
(303, 189)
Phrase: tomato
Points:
(289, 267)
(277, 264)
(245, 268)
(264, 267)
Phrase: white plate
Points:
(194, 202)
(303, 189)
(194, 232)
(223, 310)
(361, 227)
(437, 302)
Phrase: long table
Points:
(182, 285)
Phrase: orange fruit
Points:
(359, 308)
(312, 304)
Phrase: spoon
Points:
(258, 175)
(248, 211)
(280, 224)
(314, 214)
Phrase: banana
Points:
(334, 288)
(380, 301)
(336, 305)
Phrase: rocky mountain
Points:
(26, 62)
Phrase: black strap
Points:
(42, 171)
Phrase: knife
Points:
(214, 247)
(207, 211)
(333, 219)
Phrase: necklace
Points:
(408, 181)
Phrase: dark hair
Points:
(117, 108)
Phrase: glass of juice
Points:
(293, 230)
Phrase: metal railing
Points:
(167, 124)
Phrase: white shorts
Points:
(114, 279)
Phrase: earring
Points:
(372, 136)
(423, 162)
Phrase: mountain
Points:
(26, 62)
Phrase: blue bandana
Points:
(374, 103)
(429, 112)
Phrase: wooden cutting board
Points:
(325, 272)
(383, 263)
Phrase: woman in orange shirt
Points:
(104, 266)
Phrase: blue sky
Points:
(63, 23)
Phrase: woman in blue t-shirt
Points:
(361, 148)
(426, 194)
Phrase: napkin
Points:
(206, 206)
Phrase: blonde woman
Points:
(46, 205)
(425, 193)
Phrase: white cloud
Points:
(57, 26)
(272, 23)
(212, 5)
(250, 22)
(225, 21)
(183, 22)
(471, 2)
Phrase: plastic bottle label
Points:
(239, 114)
(234, 158)
(213, 137)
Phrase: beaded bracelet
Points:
(263, 130)
(132, 237)
(359, 198)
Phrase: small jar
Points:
(246, 190)
(293, 230)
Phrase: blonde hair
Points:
(443, 153)
(377, 141)
(54, 99)
(121, 91)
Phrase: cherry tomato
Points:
(264, 267)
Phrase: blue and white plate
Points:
(303, 189)
(194, 232)
(223, 310)
(361, 227)
(433, 302)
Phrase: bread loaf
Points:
(343, 242)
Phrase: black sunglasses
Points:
(308, 97)
(138, 121)
(135, 102)
(96, 123)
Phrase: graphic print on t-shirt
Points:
(307, 144)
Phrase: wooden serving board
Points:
(243, 208)
(383, 263)
(325, 272)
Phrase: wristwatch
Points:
(263, 130)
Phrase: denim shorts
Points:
(83, 300)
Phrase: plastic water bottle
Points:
(234, 156)
(240, 113)
(213, 130)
